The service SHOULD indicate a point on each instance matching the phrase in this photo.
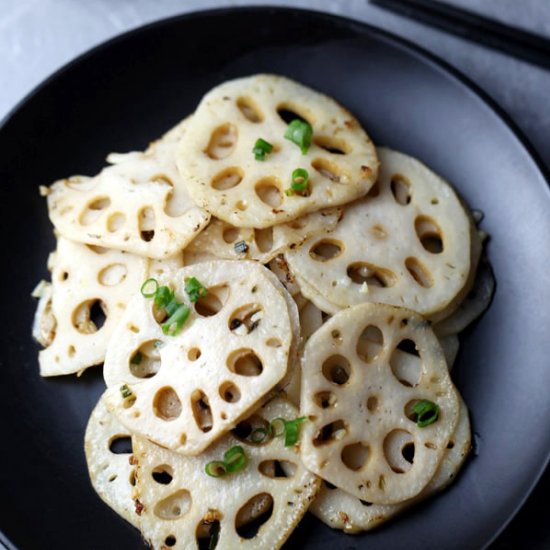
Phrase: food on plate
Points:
(264, 150)
(277, 305)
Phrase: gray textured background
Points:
(39, 36)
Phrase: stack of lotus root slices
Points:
(276, 304)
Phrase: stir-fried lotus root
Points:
(183, 391)
(180, 503)
(108, 449)
(361, 396)
(77, 315)
(406, 244)
(341, 510)
(139, 204)
(223, 240)
(216, 158)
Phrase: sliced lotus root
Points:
(215, 155)
(406, 244)
(108, 449)
(360, 400)
(180, 503)
(139, 204)
(76, 316)
(475, 303)
(341, 510)
(187, 390)
(233, 243)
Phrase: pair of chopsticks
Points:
(471, 26)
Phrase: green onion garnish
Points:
(300, 133)
(234, 459)
(299, 182)
(136, 359)
(148, 283)
(277, 428)
(125, 391)
(426, 412)
(259, 435)
(292, 431)
(194, 289)
(165, 298)
(241, 247)
(261, 149)
(175, 322)
(216, 468)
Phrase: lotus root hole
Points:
(355, 456)
(229, 392)
(401, 189)
(370, 343)
(193, 354)
(250, 109)
(419, 272)
(429, 234)
(112, 275)
(132, 328)
(434, 201)
(277, 468)
(289, 111)
(213, 302)
(326, 249)
(230, 234)
(245, 427)
(227, 179)
(174, 506)
(167, 404)
(406, 363)
(208, 530)
(163, 474)
(241, 205)
(330, 170)
(398, 449)
(222, 141)
(170, 540)
(325, 399)
(63, 276)
(362, 273)
(202, 412)
(333, 145)
(335, 431)
(372, 403)
(89, 316)
(132, 478)
(299, 223)
(145, 361)
(450, 445)
(374, 191)
(247, 529)
(97, 249)
(121, 445)
(337, 369)
(71, 351)
(245, 362)
(336, 336)
(94, 210)
(115, 222)
(246, 319)
(269, 191)
(146, 224)
(264, 239)
(273, 343)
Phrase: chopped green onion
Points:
(292, 431)
(281, 422)
(136, 359)
(125, 391)
(426, 412)
(234, 459)
(259, 435)
(175, 322)
(194, 289)
(241, 247)
(261, 149)
(163, 296)
(299, 182)
(216, 468)
(147, 283)
(300, 133)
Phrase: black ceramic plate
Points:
(128, 91)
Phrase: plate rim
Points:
(403, 44)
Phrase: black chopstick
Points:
(471, 26)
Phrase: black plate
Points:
(126, 92)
